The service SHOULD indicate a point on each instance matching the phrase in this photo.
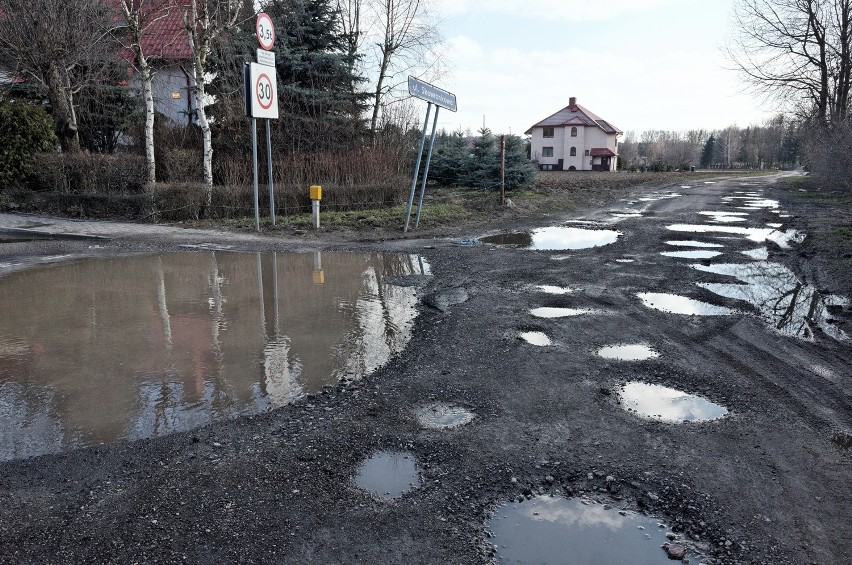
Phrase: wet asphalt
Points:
(766, 483)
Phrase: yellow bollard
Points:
(316, 196)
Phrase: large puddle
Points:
(628, 352)
(557, 530)
(667, 404)
(101, 351)
(785, 303)
(555, 238)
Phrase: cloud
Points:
(563, 10)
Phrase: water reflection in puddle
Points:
(674, 304)
(556, 238)
(726, 217)
(100, 351)
(442, 416)
(539, 339)
(657, 197)
(388, 474)
(693, 243)
(551, 312)
(691, 254)
(551, 289)
(667, 404)
(759, 235)
(628, 352)
(759, 254)
(785, 303)
(558, 530)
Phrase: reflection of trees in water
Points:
(102, 350)
(788, 305)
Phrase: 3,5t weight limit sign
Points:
(262, 92)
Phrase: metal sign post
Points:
(261, 98)
(441, 99)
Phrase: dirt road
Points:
(767, 483)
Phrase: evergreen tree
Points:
(451, 159)
(708, 152)
(319, 105)
(484, 170)
(520, 171)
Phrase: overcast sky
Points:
(640, 64)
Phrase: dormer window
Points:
(548, 132)
(574, 132)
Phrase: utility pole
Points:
(502, 170)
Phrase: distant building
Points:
(574, 139)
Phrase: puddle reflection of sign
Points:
(264, 95)
(433, 94)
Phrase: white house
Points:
(574, 139)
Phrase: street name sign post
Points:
(260, 84)
(441, 99)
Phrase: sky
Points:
(639, 64)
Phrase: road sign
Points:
(265, 31)
(261, 92)
(433, 94)
(266, 58)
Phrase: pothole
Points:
(675, 304)
(786, 304)
(555, 238)
(627, 352)
(781, 238)
(441, 416)
(691, 254)
(388, 474)
(667, 404)
(759, 254)
(546, 529)
(726, 217)
(552, 289)
(539, 339)
(694, 243)
(553, 312)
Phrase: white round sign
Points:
(264, 90)
(265, 31)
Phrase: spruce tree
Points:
(319, 105)
(708, 152)
(519, 171)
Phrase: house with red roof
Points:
(165, 44)
(574, 139)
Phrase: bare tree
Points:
(141, 18)
(349, 16)
(406, 37)
(62, 45)
(206, 21)
(797, 48)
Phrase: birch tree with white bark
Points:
(140, 17)
(206, 21)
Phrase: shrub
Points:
(179, 201)
(89, 173)
(25, 129)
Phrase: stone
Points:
(674, 551)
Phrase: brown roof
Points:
(602, 152)
(576, 115)
(163, 33)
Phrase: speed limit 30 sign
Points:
(261, 92)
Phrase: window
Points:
(573, 132)
(573, 151)
(547, 151)
(548, 132)
(587, 152)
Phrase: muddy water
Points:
(558, 530)
(101, 351)
(675, 304)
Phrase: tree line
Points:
(774, 145)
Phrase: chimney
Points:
(572, 101)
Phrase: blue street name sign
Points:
(433, 94)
